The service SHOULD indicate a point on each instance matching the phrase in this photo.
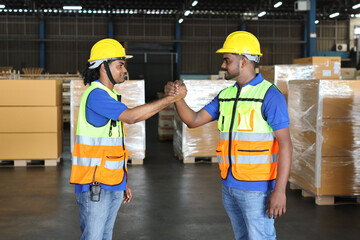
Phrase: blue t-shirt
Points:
(275, 112)
(100, 107)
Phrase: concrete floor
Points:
(171, 201)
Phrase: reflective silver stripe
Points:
(245, 136)
(114, 164)
(273, 158)
(241, 159)
(88, 162)
(220, 159)
(98, 141)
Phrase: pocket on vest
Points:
(112, 167)
(251, 164)
(245, 117)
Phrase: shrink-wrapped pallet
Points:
(133, 94)
(325, 131)
(201, 141)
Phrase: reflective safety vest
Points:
(245, 137)
(100, 153)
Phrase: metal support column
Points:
(306, 39)
(243, 26)
(178, 50)
(42, 43)
(312, 28)
(111, 29)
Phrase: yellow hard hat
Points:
(106, 49)
(241, 42)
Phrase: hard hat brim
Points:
(231, 50)
(126, 57)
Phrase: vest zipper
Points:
(241, 150)
(231, 126)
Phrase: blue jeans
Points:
(97, 218)
(247, 213)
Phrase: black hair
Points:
(90, 75)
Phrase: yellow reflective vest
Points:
(100, 153)
(247, 147)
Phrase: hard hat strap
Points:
(108, 72)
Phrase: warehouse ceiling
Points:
(247, 9)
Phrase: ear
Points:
(102, 68)
(244, 61)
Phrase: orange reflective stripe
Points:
(123, 126)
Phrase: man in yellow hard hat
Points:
(99, 167)
(255, 149)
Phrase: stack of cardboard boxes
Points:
(166, 123)
(325, 130)
(31, 121)
(133, 95)
(302, 69)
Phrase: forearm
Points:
(145, 111)
(284, 164)
(187, 115)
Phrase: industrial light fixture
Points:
(262, 14)
(334, 15)
(181, 20)
(187, 12)
(316, 21)
(2, 6)
(72, 7)
(278, 4)
(194, 3)
(356, 6)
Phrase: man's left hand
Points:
(127, 195)
(277, 204)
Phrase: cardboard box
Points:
(324, 126)
(325, 67)
(30, 93)
(30, 119)
(348, 73)
(28, 146)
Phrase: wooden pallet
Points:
(196, 159)
(136, 161)
(30, 162)
(165, 137)
(328, 199)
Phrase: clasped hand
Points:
(175, 89)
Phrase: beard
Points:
(229, 76)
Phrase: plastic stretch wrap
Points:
(280, 75)
(201, 141)
(133, 94)
(325, 131)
